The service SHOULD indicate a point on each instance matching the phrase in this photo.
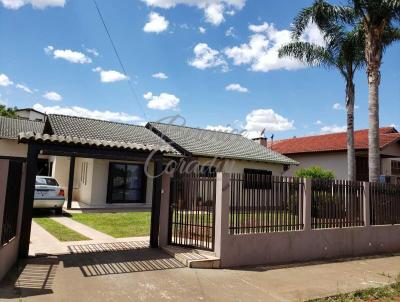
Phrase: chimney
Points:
(261, 140)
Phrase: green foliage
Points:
(8, 112)
(315, 172)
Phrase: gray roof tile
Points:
(11, 127)
(208, 143)
(91, 129)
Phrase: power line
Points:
(132, 89)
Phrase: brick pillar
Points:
(164, 210)
(221, 211)
(366, 206)
(307, 200)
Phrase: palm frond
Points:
(307, 53)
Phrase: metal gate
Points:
(192, 211)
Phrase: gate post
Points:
(366, 205)
(164, 210)
(307, 204)
(223, 191)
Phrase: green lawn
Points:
(117, 225)
(378, 294)
(58, 230)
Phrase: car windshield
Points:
(46, 181)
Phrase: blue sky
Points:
(211, 61)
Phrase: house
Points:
(99, 182)
(31, 114)
(330, 152)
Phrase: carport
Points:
(75, 147)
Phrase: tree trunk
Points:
(373, 54)
(351, 154)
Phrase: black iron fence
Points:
(384, 204)
(11, 206)
(336, 204)
(263, 203)
(192, 210)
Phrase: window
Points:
(207, 171)
(257, 179)
(44, 181)
(126, 183)
(395, 167)
(84, 170)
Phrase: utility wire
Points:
(132, 88)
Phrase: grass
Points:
(117, 225)
(58, 230)
(381, 294)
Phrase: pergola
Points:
(73, 147)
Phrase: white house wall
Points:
(336, 162)
(10, 147)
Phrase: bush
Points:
(315, 172)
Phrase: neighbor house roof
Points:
(11, 127)
(333, 142)
(208, 143)
(84, 131)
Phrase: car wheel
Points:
(59, 211)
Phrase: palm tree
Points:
(376, 20)
(343, 51)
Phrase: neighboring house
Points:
(98, 182)
(9, 147)
(330, 151)
(31, 114)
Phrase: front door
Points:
(126, 183)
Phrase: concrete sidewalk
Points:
(144, 274)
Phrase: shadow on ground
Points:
(117, 258)
(30, 277)
(35, 276)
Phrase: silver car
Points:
(48, 194)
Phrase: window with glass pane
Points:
(126, 183)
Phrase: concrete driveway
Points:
(133, 272)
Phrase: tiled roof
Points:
(10, 127)
(208, 143)
(99, 130)
(333, 142)
(25, 137)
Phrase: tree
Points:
(315, 172)
(8, 112)
(377, 18)
(343, 51)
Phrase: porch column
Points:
(164, 210)
(155, 205)
(71, 181)
(30, 180)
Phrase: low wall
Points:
(9, 252)
(301, 246)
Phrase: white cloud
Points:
(160, 75)
(38, 4)
(164, 101)
(93, 52)
(68, 55)
(333, 129)
(5, 81)
(230, 32)
(214, 10)
(24, 88)
(236, 87)
(84, 112)
(110, 76)
(220, 128)
(261, 52)
(202, 30)
(393, 125)
(318, 122)
(52, 96)
(267, 119)
(206, 57)
(156, 24)
(337, 106)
